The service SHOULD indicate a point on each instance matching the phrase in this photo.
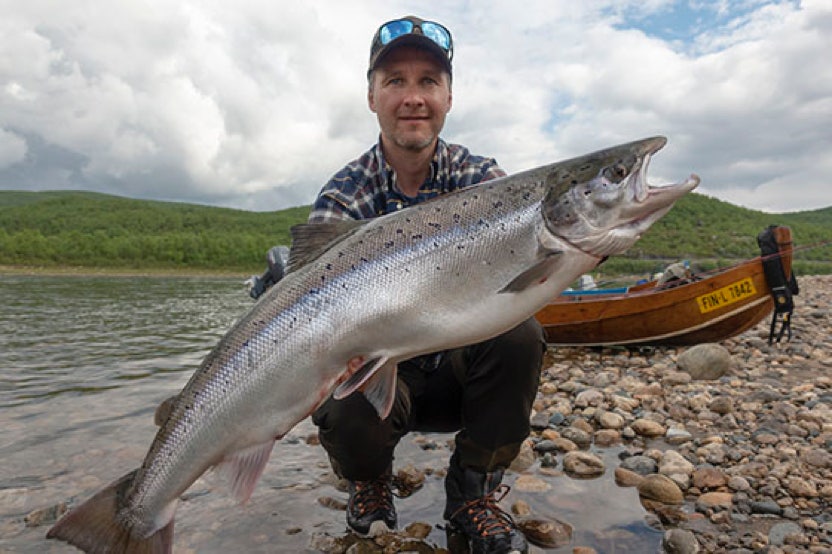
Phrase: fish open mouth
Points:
(654, 201)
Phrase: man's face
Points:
(411, 95)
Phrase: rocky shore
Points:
(727, 447)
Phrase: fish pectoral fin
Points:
(538, 273)
(357, 379)
(243, 469)
(380, 389)
(377, 380)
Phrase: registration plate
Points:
(726, 295)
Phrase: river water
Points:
(84, 361)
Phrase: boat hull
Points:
(710, 309)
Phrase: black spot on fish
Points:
(417, 236)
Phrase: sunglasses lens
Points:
(395, 29)
(437, 33)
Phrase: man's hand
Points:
(277, 258)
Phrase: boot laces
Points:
(373, 495)
(486, 515)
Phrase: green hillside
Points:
(92, 230)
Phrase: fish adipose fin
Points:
(536, 274)
(377, 380)
(93, 526)
(244, 468)
(310, 240)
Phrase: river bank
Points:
(631, 451)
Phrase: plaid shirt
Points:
(366, 187)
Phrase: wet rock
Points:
(45, 516)
(677, 436)
(714, 500)
(680, 541)
(661, 489)
(673, 378)
(589, 397)
(709, 478)
(640, 464)
(524, 460)
(332, 503)
(610, 420)
(577, 436)
(418, 530)
(800, 487)
(546, 533)
(673, 462)
(648, 428)
(627, 478)
(607, 437)
(583, 464)
(779, 532)
(530, 483)
(722, 405)
(705, 362)
(521, 508)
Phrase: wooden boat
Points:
(708, 308)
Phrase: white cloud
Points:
(12, 148)
(257, 105)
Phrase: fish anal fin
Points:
(380, 389)
(243, 469)
(93, 526)
(310, 240)
(358, 377)
(537, 273)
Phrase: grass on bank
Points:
(77, 232)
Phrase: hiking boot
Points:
(370, 510)
(475, 522)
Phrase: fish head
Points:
(601, 203)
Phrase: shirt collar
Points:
(387, 176)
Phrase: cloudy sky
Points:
(254, 104)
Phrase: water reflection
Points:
(84, 361)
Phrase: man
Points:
(484, 391)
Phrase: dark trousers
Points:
(485, 391)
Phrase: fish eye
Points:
(616, 172)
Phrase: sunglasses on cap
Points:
(436, 32)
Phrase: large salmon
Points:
(360, 297)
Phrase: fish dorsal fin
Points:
(377, 380)
(310, 240)
(537, 273)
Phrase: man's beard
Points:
(414, 145)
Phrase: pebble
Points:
(583, 464)
(660, 488)
(546, 533)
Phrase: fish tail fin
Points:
(93, 526)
